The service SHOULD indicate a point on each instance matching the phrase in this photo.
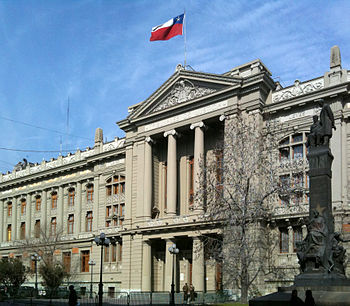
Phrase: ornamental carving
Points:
(183, 91)
(297, 90)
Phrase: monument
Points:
(321, 255)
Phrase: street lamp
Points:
(91, 264)
(36, 258)
(102, 241)
(173, 250)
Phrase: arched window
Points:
(115, 185)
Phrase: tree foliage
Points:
(12, 274)
(241, 182)
(52, 274)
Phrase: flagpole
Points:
(185, 38)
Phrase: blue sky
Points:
(99, 55)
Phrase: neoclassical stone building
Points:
(139, 189)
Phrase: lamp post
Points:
(102, 241)
(91, 264)
(173, 250)
(36, 258)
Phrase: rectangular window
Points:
(53, 226)
(71, 197)
(89, 221)
(298, 180)
(298, 152)
(38, 204)
(23, 207)
(23, 230)
(37, 229)
(85, 257)
(108, 223)
(284, 240)
(109, 190)
(70, 224)
(9, 232)
(120, 252)
(122, 210)
(111, 291)
(106, 250)
(114, 253)
(9, 209)
(297, 237)
(284, 154)
(32, 265)
(90, 193)
(54, 200)
(67, 261)
(108, 211)
(191, 169)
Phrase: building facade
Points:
(139, 189)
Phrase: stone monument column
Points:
(148, 186)
(172, 173)
(198, 163)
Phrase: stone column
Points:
(44, 221)
(198, 264)
(148, 186)
(5, 219)
(290, 239)
(172, 173)
(168, 265)
(28, 216)
(146, 266)
(198, 157)
(96, 202)
(14, 219)
(1, 219)
(60, 208)
(77, 211)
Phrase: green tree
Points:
(53, 274)
(12, 274)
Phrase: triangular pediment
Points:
(182, 88)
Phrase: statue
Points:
(337, 254)
(314, 137)
(316, 238)
(326, 122)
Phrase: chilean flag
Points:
(169, 29)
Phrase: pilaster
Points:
(148, 188)
(146, 266)
(171, 173)
(28, 216)
(60, 209)
(96, 202)
(198, 264)
(77, 210)
(1, 219)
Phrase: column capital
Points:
(199, 124)
(171, 132)
(149, 140)
(222, 117)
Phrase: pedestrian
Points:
(185, 289)
(309, 299)
(73, 298)
(295, 300)
(192, 293)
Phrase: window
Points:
(71, 197)
(298, 180)
(115, 185)
(297, 237)
(38, 203)
(89, 221)
(90, 192)
(85, 257)
(191, 191)
(120, 252)
(114, 253)
(23, 230)
(37, 229)
(9, 232)
(106, 250)
(23, 207)
(284, 240)
(70, 224)
(111, 291)
(9, 209)
(108, 211)
(54, 200)
(284, 155)
(108, 223)
(53, 226)
(67, 261)
(298, 152)
(32, 265)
